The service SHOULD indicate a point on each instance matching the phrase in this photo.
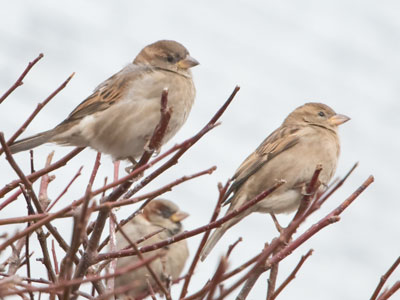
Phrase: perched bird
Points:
(120, 116)
(158, 214)
(307, 137)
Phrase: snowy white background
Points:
(282, 54)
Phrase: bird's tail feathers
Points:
(212, 241)
(31, 142)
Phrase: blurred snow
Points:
(282, 54)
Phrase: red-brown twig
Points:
(149, 268)
(65, 190)
(34, 176)
(186, 145)
(187, 234)
(113, 240)
(44, 184)
(46, 218)
(231, 247)
(41, 236)
(251, 261)
(41, 280)
(36, 111)
(151, 291)
(227, 275)
(151, 195)
(289, 248)
(11, 199)
(311, 189)
(55, 261)
(292, 275)
(19, 81)
(42, 222)
(389, 292)
(54, 288)
(159, 131)
(273, 275)
(155, 193)
(27, 255)
(384, 278)
(303, 211)
(142, 239)
(222, 190)
(216, 279)
(334, 188)
(80, 222)
(28, 185)
(154, 142)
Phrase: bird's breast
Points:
(125, 127)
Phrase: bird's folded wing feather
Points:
(106, 94)
(277, 142)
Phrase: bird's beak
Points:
(187, 62)
(178, 216)
(338, 119)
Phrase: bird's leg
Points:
(131, 168)
(148, 149)
(277, 225)
(134, 163)
(132, 160)
(304, 188)
(321, 189)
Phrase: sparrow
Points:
(158, 214)
(120, 116)
(307, 137)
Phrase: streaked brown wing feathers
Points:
(277, 142)
(105, 95)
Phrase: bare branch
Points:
(222, 191)
(155, 140)
(19, 81)
(292, 275)
(34, 176)
(187, 234)
(327, 220)
(384, 278)
(36, 111)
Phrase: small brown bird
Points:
(307, 137)
(120, 116)
(158, 214)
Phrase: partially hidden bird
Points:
(307, 137)
(159, 214)
(120, 116)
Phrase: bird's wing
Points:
(106, 94)
(277, 142)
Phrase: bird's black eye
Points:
(166, 212)
(170, 58)
(321, 114)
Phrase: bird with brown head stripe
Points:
(120, 116)
(307, 137)
(158, 214)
